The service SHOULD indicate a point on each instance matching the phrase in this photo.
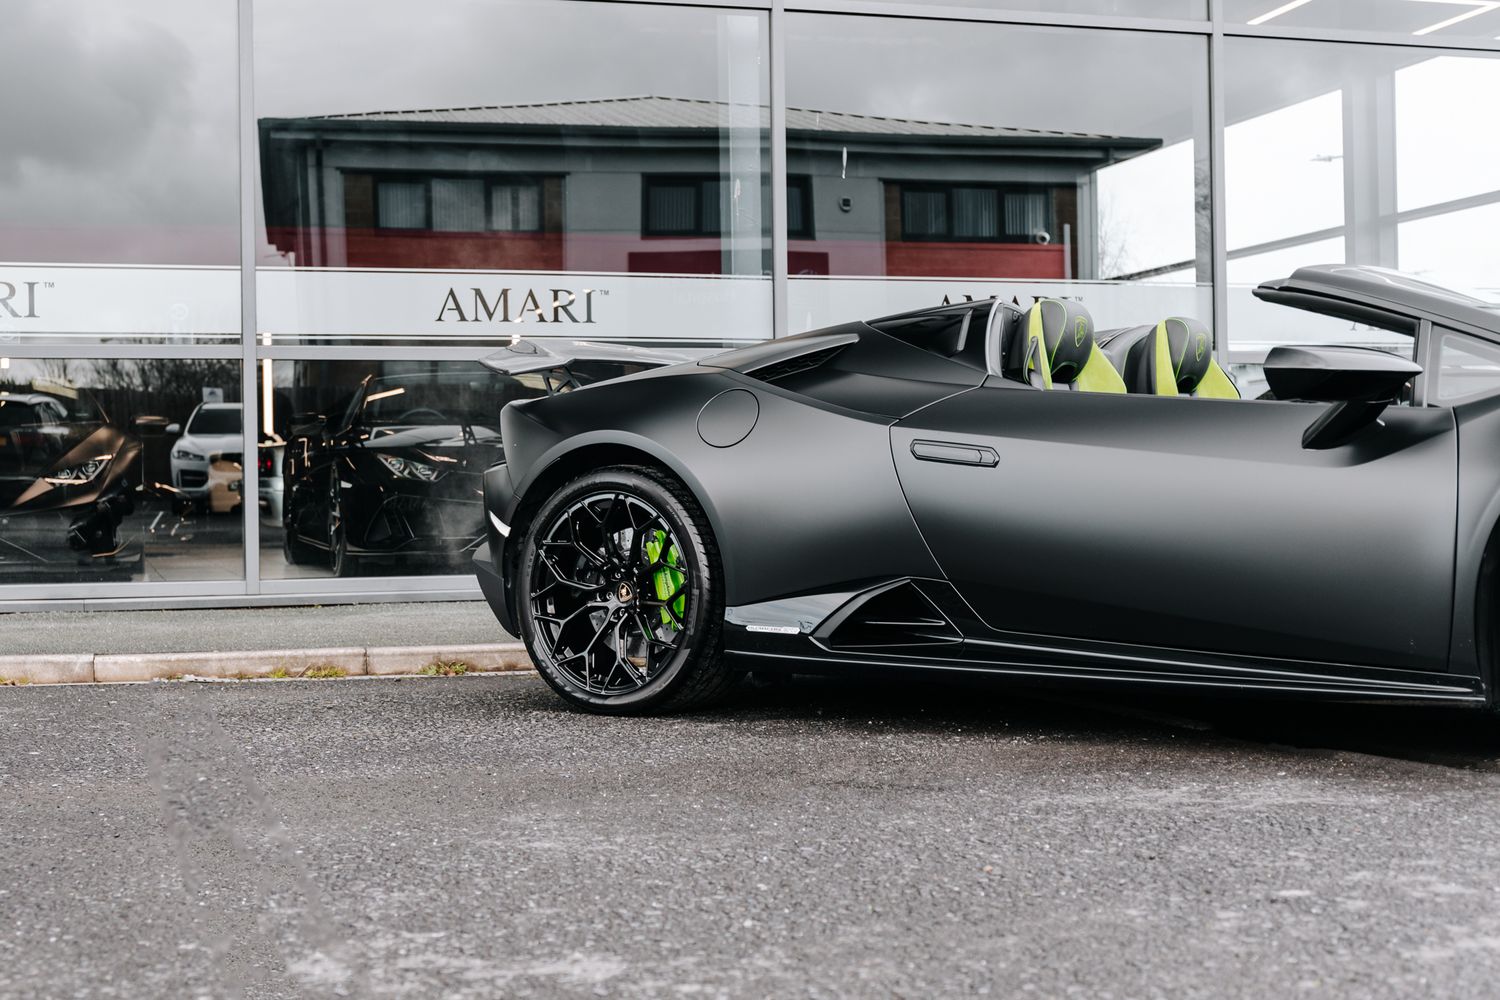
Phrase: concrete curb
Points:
(347, 661)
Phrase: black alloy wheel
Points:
(620, 595)
(339, 560)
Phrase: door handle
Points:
(954, 453)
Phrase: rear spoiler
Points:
(521, 356)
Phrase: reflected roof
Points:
(678, 112)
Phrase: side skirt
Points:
(933, 631)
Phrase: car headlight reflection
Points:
(408, 468)
(183, 455)
(80, 474)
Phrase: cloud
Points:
(117, 115)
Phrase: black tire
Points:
(650, 651)
(293, 549)
(340, 562)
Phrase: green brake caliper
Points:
(666, 579)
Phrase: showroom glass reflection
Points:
(629, 145)
(627, 163)
(105, 476)
(925, 159)
(1360, 154)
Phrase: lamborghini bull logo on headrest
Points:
(1080, 331)
(1202, 347)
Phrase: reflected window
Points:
(516, 206)
(979, 214)
(1467, 368)
(401, 205)
(682, 206)
(799, 219)
(117, 470)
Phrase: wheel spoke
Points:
(601, 637)
(588, 553)
(590, 588)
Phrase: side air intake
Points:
(893, 616)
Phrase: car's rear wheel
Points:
(340, 562)
(620, 595)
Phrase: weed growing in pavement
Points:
(324, 671)
(445, 668)
(18, 682)
(279, 674)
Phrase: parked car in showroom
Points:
(990, 488)
(207, 458)
(394, 478)
(67, 482)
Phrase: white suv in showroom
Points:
(211, 449)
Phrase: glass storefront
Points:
(1362, 154)
(261, 247)
(613, 165)
(944, 172)
(120, 470)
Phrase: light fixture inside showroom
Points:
(1471, 8)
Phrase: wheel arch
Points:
(587, 452)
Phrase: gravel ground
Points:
(470, 837)
(436, 623)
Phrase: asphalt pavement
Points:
(433, 623)
(471, 837)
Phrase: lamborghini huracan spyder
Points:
(989, 487)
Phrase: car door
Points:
(1190, 524)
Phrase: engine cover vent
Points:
(896, 615)
(778, 370)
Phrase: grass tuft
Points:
(324, 671)
(279, 674)
(445, 668)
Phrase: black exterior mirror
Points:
(1360, 381)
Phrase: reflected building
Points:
(650, 185)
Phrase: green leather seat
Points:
(1173, 358)
(1061, 351)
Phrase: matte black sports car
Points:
(396, 473)
(985, 487)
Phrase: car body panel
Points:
(1116, 517)
(1057, 536)
(201, 460)
(834, 460)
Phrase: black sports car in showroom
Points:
(395, 475)
(66, 482)
(989, 488)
